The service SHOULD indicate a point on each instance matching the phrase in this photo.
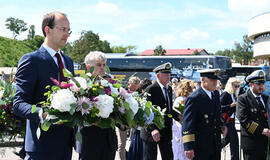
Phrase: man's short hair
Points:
(94, 56)
(48, 20)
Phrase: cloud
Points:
(221, 41)
(109, 37)
(160, 39)
(194, 35)
(107, 8)
(249, 7)
(126, 27)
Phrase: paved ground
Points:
(6, 153)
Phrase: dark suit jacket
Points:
(201, 128)
(32, 76)
(226, 101)
(252, 120)
(157, 98)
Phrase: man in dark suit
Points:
(160, 94)
(201, 127)
(252, 114)
(33, 75)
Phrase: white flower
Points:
(104, 83)
(133, 104)
(1, 93)
(114, 90)
(62, 99)
(81, 81)
(105, 105)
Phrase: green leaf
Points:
(91, 70)
(79, 137)
(169, 115)
(104, 123)
(107, 69)
(73, 107)
(84, 76)
(117, 85)
(148, 104)
(34, 108)
(45, 126)
(55, 88)
(67, 73)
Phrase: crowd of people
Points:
(195, 133)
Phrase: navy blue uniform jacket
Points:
(201, 128)
(33, 75)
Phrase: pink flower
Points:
(122, 109)
(62, 84)
(124, 93)
(84, 105)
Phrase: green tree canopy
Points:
(122, 49)
(31, 32)
(15, 26)
(11, 51)
(242, 52)
(88, 41)
(159, 51)
(196, 52)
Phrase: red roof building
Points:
(175, 52)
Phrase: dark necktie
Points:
(260, 102)
(212, 96)
(167, 98)
(60, 66)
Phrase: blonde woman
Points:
(228, 106)
(183, 90)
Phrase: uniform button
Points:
(215, 120)
(215, 134)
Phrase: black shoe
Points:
(20, 154)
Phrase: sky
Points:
(175, 24)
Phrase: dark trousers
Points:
(50, 156)
(150, 150)
(254, 154)
(232, 138)
(100, 155)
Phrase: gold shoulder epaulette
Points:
(189, 138)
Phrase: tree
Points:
(196, 52)
(31, 32)
(243, 53)
(16, 26)
(226, 52)
(159, 51)
(122, 49)
(88, 41)
(35, 42)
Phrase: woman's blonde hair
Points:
(229, 85)
(185, 88)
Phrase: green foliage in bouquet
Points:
(10, 125)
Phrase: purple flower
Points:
(84, 105)
(112, 81)
(124, 93)
(107, 90)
